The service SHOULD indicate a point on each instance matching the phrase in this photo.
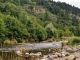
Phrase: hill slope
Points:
(37, 20)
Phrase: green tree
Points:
(68, 33)
(50, 30)
(15, 28)
(2, 29)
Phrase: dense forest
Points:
(38, 20)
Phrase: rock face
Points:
(38, 9)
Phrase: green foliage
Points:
(2, 28)
(13, 41)
(74, 41)
(33, 4)
(36, 31)
(68, 33)
(7, 41)
(15, 27)
(50, 30)
(50, 40)
(19, 21)
(58, 34)
(64, 43)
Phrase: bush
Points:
(7, 41)
(19, 40)
(64, 43)
(13, 41)
(31, 40)
(74, 41)
(50, 40)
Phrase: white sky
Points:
(76, 3)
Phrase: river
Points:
(33, 46)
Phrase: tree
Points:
(2, 29)
(50, 30)
(68, 33)
(15, 28)
(36, 31)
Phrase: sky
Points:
(76, 3)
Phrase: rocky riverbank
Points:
(46, 51)
(66, 53)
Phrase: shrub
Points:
(13, 41)
(74, 41)
(7, 41)
(19, 40)
(50, 40)
(31, 40)
(64, 43)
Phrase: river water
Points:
(33, 46)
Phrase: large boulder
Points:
(75, 49)
(70, 50)
(71, 57)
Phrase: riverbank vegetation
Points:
(37, 20)
(74, 41)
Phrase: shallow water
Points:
(34, 46)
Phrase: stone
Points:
(50, 57)
(58, 54)
(67, 54)
(70, 50)
(71, 57)
(45, 56)
(55, 56)
(26, 54)
(36, 57)
(18, 52)
(75, 49)
(31, 56)
(39, 53)
(63, 55)
(44, 59)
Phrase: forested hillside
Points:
(38, 20)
